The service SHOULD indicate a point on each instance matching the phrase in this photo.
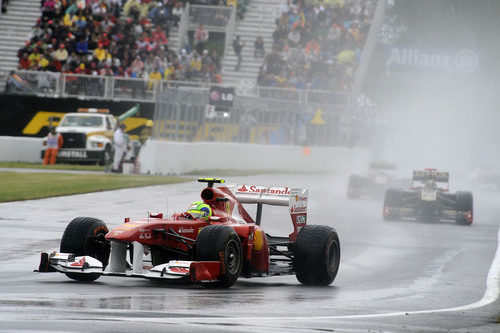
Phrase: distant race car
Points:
(380, 177)
(426, 201)
(213, 250)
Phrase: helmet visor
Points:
(197, 214)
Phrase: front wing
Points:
(194, 271)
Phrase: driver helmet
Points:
(200, 210)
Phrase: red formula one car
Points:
(214, 250)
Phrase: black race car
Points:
(380, 177)
(426, 201)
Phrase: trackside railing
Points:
(213, 18)
(50, 84)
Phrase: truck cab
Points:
(88, 136)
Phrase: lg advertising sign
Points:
(221, 97)
(464, 61)
(220, 100)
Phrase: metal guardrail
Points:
(50, 84)
(214, 18)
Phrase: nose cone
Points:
(126, 232)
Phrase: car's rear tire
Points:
(464, 207)
(81, 238)
(392, 202)
(220, 243)
(316, 255)
(355, 182)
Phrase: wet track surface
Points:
(393, 276)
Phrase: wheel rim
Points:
(232, 257)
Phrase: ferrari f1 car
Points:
(215, 250)
(380, 177)
(426, 201)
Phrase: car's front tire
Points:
(221, 243)
(83, 237)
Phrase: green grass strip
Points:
(25, 165)
(17, 186)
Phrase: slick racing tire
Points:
(83, 237)
(392, 201)
(221, 243)
(316, 255)
(464, 207)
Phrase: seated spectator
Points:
(137, 65)
(34, 57)
(154, 75)
(82, 47)
(100, 53)
(24, 63)
(159, 36)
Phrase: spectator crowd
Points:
(317, 44)
(124, 38)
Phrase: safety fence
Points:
(50, 84)
(212, 18)
(182, 115)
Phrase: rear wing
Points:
(382, 165)
(294, 198)
(431, 174)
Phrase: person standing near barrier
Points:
(246, 123)
(54, 142)
(200, 38)
(120, 146)
(238, 47)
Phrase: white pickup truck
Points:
(88, 136)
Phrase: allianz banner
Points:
(465, 61)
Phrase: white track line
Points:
(490, 296)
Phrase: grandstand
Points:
(137, 50)
(309, 44)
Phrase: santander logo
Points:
(264, 190)
(242, 189)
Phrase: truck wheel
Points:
(221, 243)
(83, 237)
(392, 202)
(316, 255)
(107, 156)
(353, 186)
(464, 207)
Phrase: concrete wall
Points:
(20, 149)
(160, 157)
